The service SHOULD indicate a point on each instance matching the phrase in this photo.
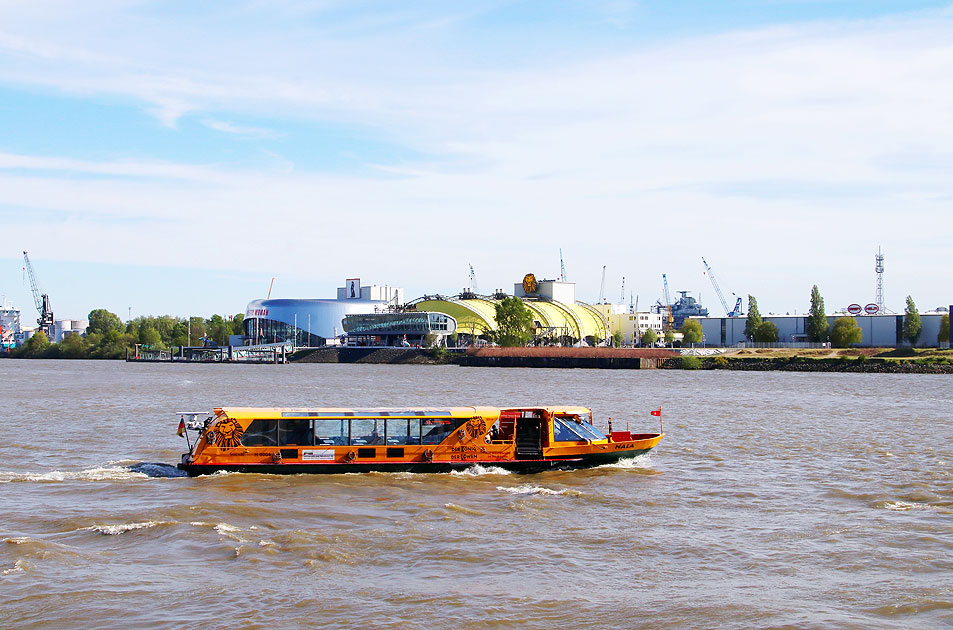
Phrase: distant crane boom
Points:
(602, 287)
(668, 297)
(714, 282)
(42, 300)
(622, 298)
(562, 266)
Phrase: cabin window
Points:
(261, 433)
(295, 432)
(584, 430)
(331, 431)
(403, 430)
(436, 430)
(563, 433)
(365, 431)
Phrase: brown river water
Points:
(776, 500)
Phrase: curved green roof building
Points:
(556, 313)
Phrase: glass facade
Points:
(396, 329)
(406, 323)
(258, 330)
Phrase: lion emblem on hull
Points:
(226, 434)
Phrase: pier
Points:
(264, 353)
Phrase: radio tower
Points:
(879, 268)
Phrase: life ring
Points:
(428, 455)
(276, 457)
(349, 457)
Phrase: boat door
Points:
(529, 435)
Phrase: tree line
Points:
(107, 337)
(845, 331)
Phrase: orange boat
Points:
(330, 440)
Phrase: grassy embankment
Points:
(927, 360)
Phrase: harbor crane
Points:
(562, 266)
(42, 301)
(669, 319)
(736, 312)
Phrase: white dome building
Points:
(310, 322)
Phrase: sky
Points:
(173, 157)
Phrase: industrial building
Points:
(878, 330)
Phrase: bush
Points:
(721, 362)
(691, 363)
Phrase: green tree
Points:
(113, 345)
(649, 337)
(754, 318)
(149, 336)
(513, 322)
(944, 334)
(817, 326)
(102, 321)
(238, 322)
(218, 329)
(180, 333)
(911, 322)
(669, 337)
(197, 325)
(36, 346)
(74, 347)
(691, 331)
(766, 332)
(845, 332)
(618, 339)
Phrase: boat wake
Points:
(109, 472)
(157, 469)
(639, 461)
(540, 490)
(477, 470)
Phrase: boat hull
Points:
(513, 465)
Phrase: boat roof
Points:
(385, 412)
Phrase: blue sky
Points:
(173, 157)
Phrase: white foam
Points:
(102, 473)
(477, 470)
(528, 489)
(225, 528)
(906, 506)
(639, 461)
(115, 530)
(18, 567)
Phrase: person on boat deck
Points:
(375, 437)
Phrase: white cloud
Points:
(766, 150)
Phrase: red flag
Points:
(181, 430)
(657, 412)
